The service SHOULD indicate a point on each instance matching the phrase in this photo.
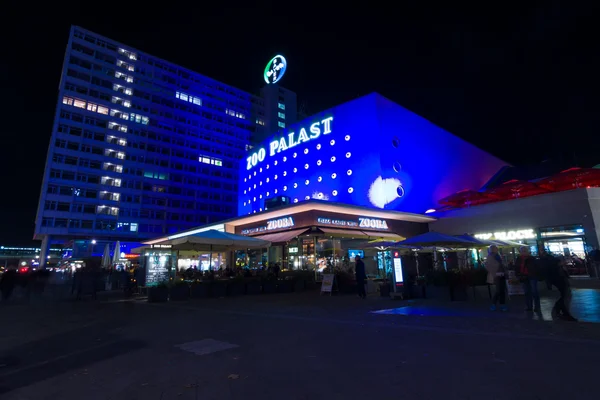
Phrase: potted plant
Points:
(158, 293)
(180, 291)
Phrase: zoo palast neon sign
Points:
(290, 140)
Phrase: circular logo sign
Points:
(275, 69)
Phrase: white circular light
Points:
(295, 200)
(333, 159)
(254, 199)
(245, 180)
(275, 177)
(349, 172)
(267, 180)
(244, 191)
(320, 195)
(284, 159)
(305, 166)
(350, 190)
(305, 151)
(284, 173)
(333, 175)
(284, 188)
(295, 170)
(347, 137)
(249, 189)
(295, 155)
(254, 173)
(319, 162)
(319, 146)
(275, 191)
(253, 212)
(320, 178)
(250, 176)
(295, 185)
(275, 162)
(307, 198)
(244, 203)
(267, 193)
(260, 197)
(260, 170)
(267, 166)
(255, 186)
(334, 193)
(348, 155)
(260, 183)
(306, 182)
(260, 209)
(332, 142)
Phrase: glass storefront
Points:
(569, 242)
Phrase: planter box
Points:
(285, 286)
(236, 288)
(218, 289)
(299, 285)
(200, 290)
(179, 293)
(269, 286)
(253, 287)
(158, 294)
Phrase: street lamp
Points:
(93, 244)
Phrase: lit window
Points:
(92, 107)
(260, 122)
(104, 110)
(188, 98)
(79, 103)
(236, 114)
(68, 100)
(281, 106)
(281, 124)
(281, 115)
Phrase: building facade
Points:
(141, 147)
(369, 152)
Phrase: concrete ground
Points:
(297, 346)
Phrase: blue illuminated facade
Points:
(368, 152)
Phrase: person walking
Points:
(557, 276)
(527, 270)
(361, 277)
(496, 276)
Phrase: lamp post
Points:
(93, 244)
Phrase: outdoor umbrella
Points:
(435, 239)
(571, 178)
(466, 198)
(117, 253)
(514, 189)
(106, 257)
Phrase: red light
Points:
(395, 254)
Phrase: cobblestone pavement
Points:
(297, 346)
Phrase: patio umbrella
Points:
(516, 188)
(435, 239)
(466, 198)
(117, 253)
(571, 178)
(106, 257)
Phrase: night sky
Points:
(520, 82)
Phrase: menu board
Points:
(398, 277)
(158, 267)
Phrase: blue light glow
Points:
(389, 158)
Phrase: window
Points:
(210, 160)
(140, 119)
(235, 114)
(68, 100)
(281, 115)
(189, 98)
(260, 122)
(281, 106)
(281, 124)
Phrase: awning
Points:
(281, 237)
(344, 233)
(388, 236)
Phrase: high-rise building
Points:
(142, 147)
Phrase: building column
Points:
(45, 246)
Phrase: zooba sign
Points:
(292, 139)
(280, 223)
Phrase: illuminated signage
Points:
(508, 235)
(275, 69)
(398, 275)
(280, 223)
(290, 140)
(372, 223)
(162, 246)
(363, 222)
(292, 250)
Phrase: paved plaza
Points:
(297, 346)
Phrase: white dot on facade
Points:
(305, 151)
(334, 193)
(305, 166)
(319, 179)
(332, 142)
(306, 182)
(319, 162)
(349, 172)
(319, 146)
(295, 185)
(267, 180)
(295, 200)
(333, 175)
(348, 155)
(284, 188)
(260, 170)
(307, 198)
(295, 170)
(347, 137)
(284, 159)
(295, 155)
(275, 162)
(350, 190)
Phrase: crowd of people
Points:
(530, 271)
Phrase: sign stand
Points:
(398, 277)
(327, 284)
